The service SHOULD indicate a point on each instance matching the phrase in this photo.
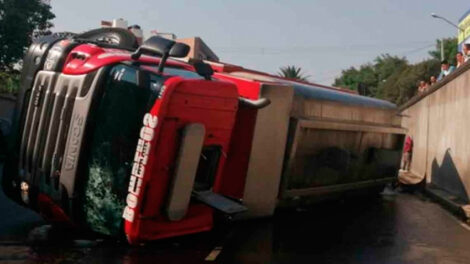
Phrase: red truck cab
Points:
(124, 141)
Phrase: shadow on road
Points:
(15, 221)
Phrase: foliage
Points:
(402, 85)
(20, 21)
(393, 78)
(369, 78)
(450, 50)
(9, 82)
(353, 78)
(292, 72)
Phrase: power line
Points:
(313, 48)
(416, 50)
(261, 51)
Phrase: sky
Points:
(322, 37)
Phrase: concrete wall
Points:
(439, 123)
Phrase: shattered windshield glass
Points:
(118, 120)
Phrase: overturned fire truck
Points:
(122, 139)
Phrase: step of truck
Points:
(219, 202)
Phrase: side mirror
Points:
(203, 69)
(154, 46)
(179, 50)
(161, 47)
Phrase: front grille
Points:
(65, 115)
(46, 127)
(33, 131)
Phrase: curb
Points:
(449, 201)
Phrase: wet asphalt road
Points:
(396, 228)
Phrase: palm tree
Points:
(292, 72)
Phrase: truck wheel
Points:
(118, 37)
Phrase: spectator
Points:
(432, 80)
(419, 88)
(407, 150)
(466, 51)
(460, 59)
(426, 86)
(422, 87)
(446, 69)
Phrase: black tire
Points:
(115, 37)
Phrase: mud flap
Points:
(185, 171)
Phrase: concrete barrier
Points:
(438, 123)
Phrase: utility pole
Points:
(442, 49)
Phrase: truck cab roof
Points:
(86, 58)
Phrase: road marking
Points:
(214, 253)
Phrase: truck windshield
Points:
(117, 122)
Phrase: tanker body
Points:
(314, 141)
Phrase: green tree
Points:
(369, 78)
(292, 72)
(9, 82)
(357, 79)
(402, 85)
(392, 78)
(390, 90)
(450, 50)
(20, 21)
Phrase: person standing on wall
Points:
(407, 150)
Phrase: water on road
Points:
(393, 228)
